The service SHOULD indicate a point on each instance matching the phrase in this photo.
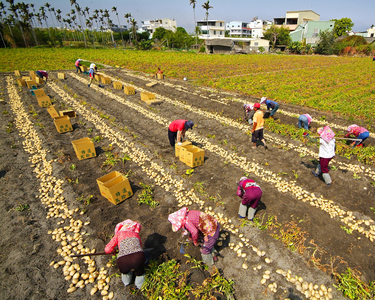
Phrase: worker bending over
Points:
(130, 256)
(177, 130)
(271, 105)
(250, 194)
(359, 133)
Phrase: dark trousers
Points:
(135, 261)
(172, 137)
(78, 69)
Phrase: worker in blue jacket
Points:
(271, 105)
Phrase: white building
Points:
(238, 29)
(211, 29)
(257, 27)
(151, 25)
(371, 31)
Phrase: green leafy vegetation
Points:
(146, 196)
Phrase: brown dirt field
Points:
(27, 249)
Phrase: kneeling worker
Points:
(177, 129)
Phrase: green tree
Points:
(295, 47)
(159, 33)
(277, 35)
(326, 43)
(342, 26)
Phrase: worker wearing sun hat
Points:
(92, 70)
(326, 153)
(251, 194)
(258, 122)
(130, 256)
(271, 105)
(198, 224)
(78, 65)
(177, 130)
(359, 132)
(249, 113)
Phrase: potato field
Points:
(307, 240)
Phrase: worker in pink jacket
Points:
(130, 256)
(78, 65)
(251, 194)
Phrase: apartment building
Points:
(211, 29)
(151, 25)
(295, 18)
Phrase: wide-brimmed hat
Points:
(189, 125)
(262, 100)
(177, 219)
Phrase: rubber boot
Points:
(208, 259)
(327, 179)
(242, 211)
(317, 171)
(139, 280)
(251, 213)
(127, 278)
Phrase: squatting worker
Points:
(42, 74)
(326, 153)
(304, 121)
(92, 70)
(271, 105)
(78, 65)
(258, 122)
(198, 225)
(159, 72)
(130, 256)
(177, 129)
(359, 133)
(249, 112)
(250, 194)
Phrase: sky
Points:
(362, 12)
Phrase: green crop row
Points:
(339, 84)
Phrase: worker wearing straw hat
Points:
(198, 225)
(130, 256)
(271, 105)
(326, 153)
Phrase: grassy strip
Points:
(364, 155)
(166, 281)
(337, 84)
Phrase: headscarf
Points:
(243, 178)
(92, 66)
(326, 133)
(178, 219)
(128, 225)
(352, 127)
(262, 100)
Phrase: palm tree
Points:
(1, 24)
(77, 12)
(207, 7)
(194, 2)
(114, 9)
(47, 5)
(109, 23)
(14, 8)
(127, 17)
(134, 32)
(32, 23)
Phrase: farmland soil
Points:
(27, 249)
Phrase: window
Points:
(221, 32)
(221, 24)
(204, 31)
(255, 43)
(316, 32)
(214, 32)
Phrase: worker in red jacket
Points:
(177, 129)
(251, 194)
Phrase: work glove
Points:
(180, 144)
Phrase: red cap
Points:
(257, 105)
